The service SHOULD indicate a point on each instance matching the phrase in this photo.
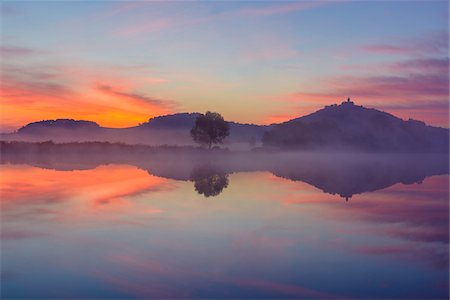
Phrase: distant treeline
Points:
(15, 147)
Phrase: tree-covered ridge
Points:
(349, 126)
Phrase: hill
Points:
(336, 127)
(163, 130)
(352, 127)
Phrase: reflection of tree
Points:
(209, 180)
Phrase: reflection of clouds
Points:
(101, 194)
(438, 233)
(257, 246)
(15, 234)
(255, 243)
(283, 288)
(415, 215)
(138, 287)
(412, 213)
(101, 184)
(417, 218)
(148, 276)
(435, 256)
(140, 275)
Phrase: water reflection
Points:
(342, 174)
(209, 180)
(130, 226)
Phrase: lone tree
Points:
(210, 128)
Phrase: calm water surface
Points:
(116, 231)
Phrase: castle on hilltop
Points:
(348, 102)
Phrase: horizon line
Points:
(177, 113)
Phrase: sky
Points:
(119, 63)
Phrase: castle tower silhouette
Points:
(348, 101)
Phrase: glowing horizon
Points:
(120, 63)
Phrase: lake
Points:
(121, 230)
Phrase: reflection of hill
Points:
(347, 175)
(343, 174)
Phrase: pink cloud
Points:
(14, 87)
(421, 65)
(147, 26)
(435, 43)
(277, 9)
(177, 21)
(386, 49)
(395, 87)
(155, 80)
(413, 88)
(12, 51)
(154, 211)
(120, 8)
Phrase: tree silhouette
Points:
(210, 128)
(209, 180)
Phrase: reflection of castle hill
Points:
(334, 173)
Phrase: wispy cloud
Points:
(31, 87)
(13, 51)
(438, 65)
(149, 26)
(7, 9)
(102, 94)
(157, 22)
(283, 8)
(419, 96)
(111, 90)
(386, 49)
(435, 43)
(416, 86)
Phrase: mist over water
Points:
(133, 222)
(339, 173)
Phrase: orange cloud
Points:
(109, 100)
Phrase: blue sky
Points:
(253, 61)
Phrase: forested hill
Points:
(354, 127)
